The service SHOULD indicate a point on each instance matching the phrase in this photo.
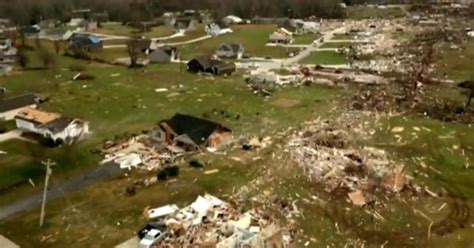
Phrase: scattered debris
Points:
(211, 222)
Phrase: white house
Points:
(52, 125)
(10, 107)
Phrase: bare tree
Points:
(46, 57)
(133, 51)
(22, 58)
(57, 46)
(469, 85)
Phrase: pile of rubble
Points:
(138, 152)
(211, 222)
(264, 83)
(326, 156)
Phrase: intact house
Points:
(191, 133)
(184, 25)
(205, 64)
(52, 126)
(165, 54)
(10, 107)
(230, 51)
(281, 36)
(215, 29)
(85, 42)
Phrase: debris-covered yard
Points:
(378, 153)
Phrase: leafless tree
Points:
(57, 46)
(22, 58)
(133, 51)
(46, 58)
(469, 85)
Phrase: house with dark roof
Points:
(10, 107)
(206, 64)
(52, 126)
(165, 54)
(230, 51)
(85, 41)
(184, 25)
(192, 133)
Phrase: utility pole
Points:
(48, 165)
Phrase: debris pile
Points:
(325, 154)
(373, 98)
(138, 152)
(211, 222)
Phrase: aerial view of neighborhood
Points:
(236, 123)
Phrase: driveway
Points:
(14, 134)
(316, 46)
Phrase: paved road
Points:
(276, 64)
(99, 174)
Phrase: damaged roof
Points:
(197, 129)
(37, 116)
(18, 102)
(58, 125)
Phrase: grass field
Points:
(252, 37)
(336, 45)
(365, 12)
(123, 30)
(325, 58)
(343, 36)
(456, 64)
(102, 216)
(305, 39)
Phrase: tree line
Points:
(26, 12)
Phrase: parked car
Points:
(142, 232)
(152, 237)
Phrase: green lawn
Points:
(455, 64)
(252, 37)
(123, 101)
(305, 39)
(123, 30)
(365, 12)
(336, 45)
(345, 36)
(325, 58)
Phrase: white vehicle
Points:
(151, 238)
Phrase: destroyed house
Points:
(184, 25)
(85, 42)
(230, 51)
(10, 107)
(191, 133)
(206, 64)
(164, 54)
(51, 126)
